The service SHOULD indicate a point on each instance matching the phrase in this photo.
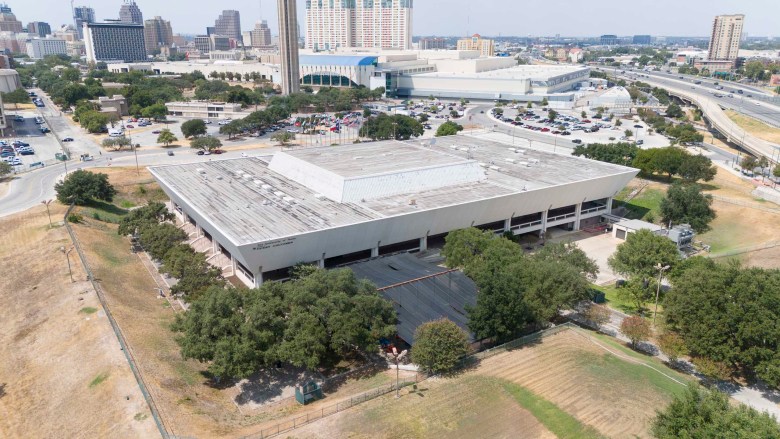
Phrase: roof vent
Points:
(201, 171)
(267, 187)
(266, 202)
(279, 194)
(465, 148)
(520, 151)
(495, 168)
(511, 160)
(412, 202)
(219, 177)
(318, 196)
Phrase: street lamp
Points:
(661, 270)
(46, 203)
(67, 256)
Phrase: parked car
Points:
(67, 139)
(577, 141)
(156, 132)
(129, 126)
(170, 153)
(37, 165)
(218, 151)
(27, 152)
(201, 152)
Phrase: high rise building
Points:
(261, 35)
(229, 24)
(129, 12)
(608, 40)
(726, 36)
(202, 43)
(39, 28)
(644, 40)
(385, 24)
(476, 42)
(8, 21)
(288, 46)
(81, 15)
(432, 43)
(114, 42)
(39, 48)
(157, 34)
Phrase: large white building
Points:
(39, 48)
(334, 205)
(114, 42)
(384, 24)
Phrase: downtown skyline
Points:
(569, 18)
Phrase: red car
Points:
(129, 126)
(218, 151)
(545, 130)
(586, 121)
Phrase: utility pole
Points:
(397, 357)
(67, 256)
(46, 203)
(661, 270)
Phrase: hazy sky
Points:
(459, 17)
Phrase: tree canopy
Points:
(622, 153)
(205, 143)
(193, 128)
(166, 137)
(675, 161)
(310, 322)
(448, 128)
(642, 251)
(707, 414)
(439, 345)
(686, 204)
(728, 314)
(384, 127)
(517, 290)
(81, 187)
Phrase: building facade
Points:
(81, 15)
(129, 12)
(608, 40)
(204, 110)
(114, 42)
(432, 44)
(39, 48)
(316, 206)
(157, 34)
(260, 36)
(288, 46)
(383, 24)
(9, 23)
(39, 28)
(484, 46)
(229, 24)
(643, 40)
(725, 38)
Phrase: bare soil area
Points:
(62, 373)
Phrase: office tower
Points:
(8, 21)
(432, 43)
(726, 36)
(385, 24)
(202, 43)
(157, 34)
(130, 13)
(39, 48)
(229, 24)
(288, 46)
(39, 28)
(114, 42)
(644, 40)
(608, 40)
(81, 15)
(261, 35)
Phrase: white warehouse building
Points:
(334, 205)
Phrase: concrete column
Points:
(198, 231)
(507, 224)
(609, 205)
(233, 264)
(259, 278)
(544, 224)
(577, 216)
(214, 246)
(423, 243)
(321, 262)
(375, 252)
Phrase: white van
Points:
(115, 133)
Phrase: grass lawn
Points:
(645, 206)
(616, 301)
(755, 127)
(556, 420)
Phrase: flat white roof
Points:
(250, 202)
(533, 72)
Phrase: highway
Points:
(751, 102)
(712, 109)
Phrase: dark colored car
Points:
(200, 152)
(67, 139)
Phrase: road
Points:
(713, 112)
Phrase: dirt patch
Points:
(50, 352)
(5, 184)
(456, 408)
(600, 390)
(755, 127)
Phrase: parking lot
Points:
(570, 127)
(25, 129)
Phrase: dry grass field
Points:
(755, 127)
(568, 385)
(62, 373)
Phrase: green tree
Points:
(18, 96)
(232, 129)
(673, 345)
(157, 112)
(193, 128)
(642, 251)
(157, 239)
(81, 187)
(383, 127)
(622, 153)
(166, 137)
(636, 329)
(583, 115)
(776, 171)
(462, 246)
(749, 162)
(5, 169)
(552, 115)
(284, 138)
(152, 213)
(544, 102)
(696, 167)
(448, 128)
(93, 121)
(708, 414)
(205, 143)
(628, 133)
(674, 110)
(117, 143)
(439, 345)
(686, 204)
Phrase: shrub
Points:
(75, 218)
(439, 345)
